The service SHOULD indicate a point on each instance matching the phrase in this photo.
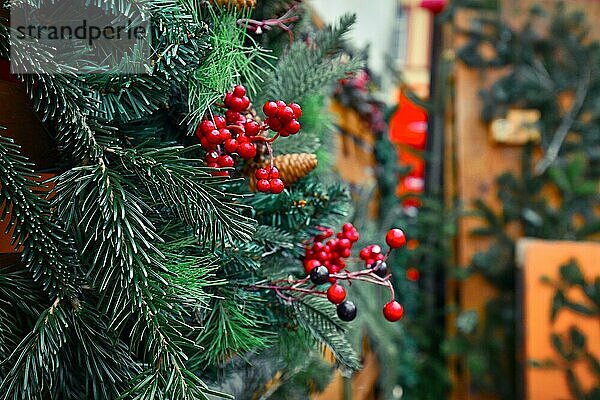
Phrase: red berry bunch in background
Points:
(331, 253)
(268, 180)
(282, 118)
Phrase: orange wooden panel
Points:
(543, 258)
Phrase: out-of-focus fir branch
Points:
(48, 252)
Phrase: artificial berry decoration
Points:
(325, 260)
(268, 180)
(346, 311)
(332, 253)
(395, 238)
(282, 118)
(336, 293)
(235, 133)
(393, 311)
(319, 275)
(380, 269)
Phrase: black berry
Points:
(319, 275)
(380, 269)
(346, 310)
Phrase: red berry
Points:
(213, 136)
(346, 253)
(285, 114)
(323, 256)
(345, 243)
(280, 104)
(241, 138)
(270, 108)
(263, 185)
(297, 110)
(212, 164)
(347, 227)
(206, 145)
(273, 123)
(277, 186)
(220, 121)
(393, 311)
(318, 246)
(247, 150)
(375, 249)
(365, 253)
(207, 126)
(379, 257)
(226, 161)
(261, 173)
(239, 91)
(395, 238)
(336, 293)
(252, 128)
(212, 157)
(230, 145)
(220, 173)
(352, 235)
(228, 97)
(236, 104)
(224, 134)
(310, 264)
(245, 103)
(232, 116)
(292, 127)
(273, 173)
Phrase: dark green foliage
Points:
(137, 274)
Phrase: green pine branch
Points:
(48, 251)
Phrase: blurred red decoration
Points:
(412, 274)
(435, 6)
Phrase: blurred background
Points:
(477, 126)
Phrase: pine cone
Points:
(239, 4)
(292, 167)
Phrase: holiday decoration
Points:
(239, 4)
(145, 256)
(325, 261)
(236, 134)
(291, 168)
(435, 6)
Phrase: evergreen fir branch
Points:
(131, 275)
(235, 324)
(303, 206)
(313, 315)
(308, 69)
(193, 195)
(230, 61)
(38, 364)
(47, 250)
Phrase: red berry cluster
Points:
(229, 135)
(332, 252)
(324, 264)
(235, 133)
(282, 118)
(268, 180)
(371, 254)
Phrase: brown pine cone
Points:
(292, 167)
(239, 4)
